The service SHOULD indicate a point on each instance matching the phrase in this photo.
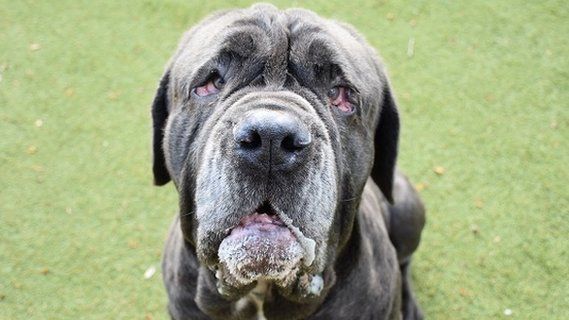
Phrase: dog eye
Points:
(212, 86)
(340, 98)
(218, 82)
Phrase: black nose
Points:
(272, 139)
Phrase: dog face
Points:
(268, 122)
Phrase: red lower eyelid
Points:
(342, 101)
(210, 87)
(201, 91)
(345, 107)
(206, 90)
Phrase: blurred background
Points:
(482, 86)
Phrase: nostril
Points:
(288, 143)
(251, 140)
(293, 143)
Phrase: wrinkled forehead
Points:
(267, 34)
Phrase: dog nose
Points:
(273, 138)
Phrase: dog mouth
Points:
(264, 245)
(264, 219)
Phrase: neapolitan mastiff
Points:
(279, 130)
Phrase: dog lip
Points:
(260, 246)
(267, 218)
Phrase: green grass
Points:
(485, 96)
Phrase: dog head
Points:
(269, 123)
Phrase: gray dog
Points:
(279, 131)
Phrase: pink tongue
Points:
(261, 246)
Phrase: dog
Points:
(279, 130)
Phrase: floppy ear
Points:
(386, 140)
(159, 117)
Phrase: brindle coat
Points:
(363, 215)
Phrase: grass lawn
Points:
(483, 88)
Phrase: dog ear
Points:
(386, 141)
(159, 118)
